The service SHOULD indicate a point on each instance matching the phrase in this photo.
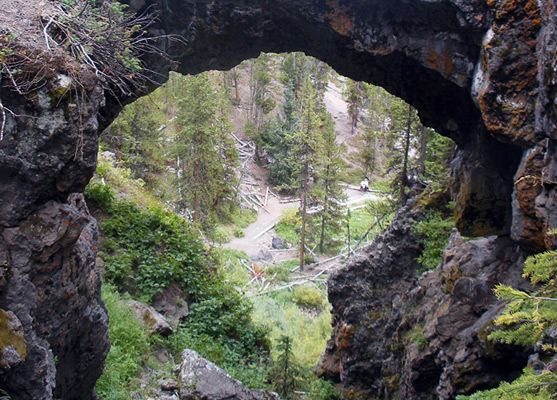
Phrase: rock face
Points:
(202, 380)
(481, 72)
(397, 335)
(56, 337)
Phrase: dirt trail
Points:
(258, 236)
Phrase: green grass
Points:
(383, 185)
(243, 218)
(289, 225)
(353, 176)
(231, 266)
(130, 347)
(281, 316)
(281, 272)
(220, 234)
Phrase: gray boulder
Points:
(170, 302)
(264, 255)
(278, 243)
(151, 319)
(200, 379)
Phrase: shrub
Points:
(220, 234)
(434, 231)
(243, 218)
(148, 248)
(280, 272)
(289, 225)
(309, 296)
(231, 266)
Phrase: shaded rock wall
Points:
(481, 72)
(400, 336)
(49, 285)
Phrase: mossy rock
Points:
(13, 349)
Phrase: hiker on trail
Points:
(364, 185)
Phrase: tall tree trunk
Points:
(303, 234)
(423, 151)
(322, 239)
(251, 92)
(196, 198)
(235, 76)
(404, 172)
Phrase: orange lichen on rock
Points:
(344, 337)
(511, 62)
(433, 60)
(338, 18)
(448, 66)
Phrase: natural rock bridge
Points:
(483, 72)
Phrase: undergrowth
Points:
(434, 231)
(146, 249)
(130, 346)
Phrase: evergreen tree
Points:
(526, 318)
(401, 145)
(374, 128)
(227, 181)
(285, 374)
(261, 98)
(203, 168)
(275, 136)
(355, 97)
(305, 143)
(134, 139)
(294, 70)
(328, 192)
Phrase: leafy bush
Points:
(309, 296)
(154, 247)
(280, 272)
(220, 234)
(281, 316)
(239, 232)
(289, 225)
(231, 266)
(434, 231)
(130, 347)
(151, 248)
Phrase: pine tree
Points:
(204, 156)
(355, 96)
(262, 101)
(401, 144)
(305, 143)
(226, 181)
(374, 128)
(275, 136)
(134, 138)
(285, 374)
(328, 192)
(526, 318)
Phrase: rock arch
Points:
(482, 72)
